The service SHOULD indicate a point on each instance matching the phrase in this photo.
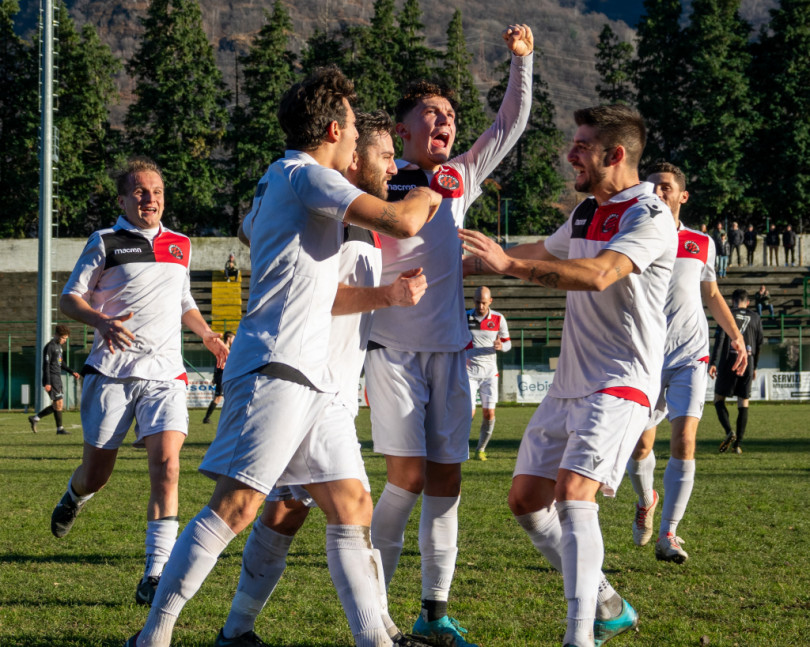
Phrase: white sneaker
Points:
(643, 522)
(668, 549)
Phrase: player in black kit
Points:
(227, 338)
(52, 368)
(729, 384)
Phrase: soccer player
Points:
(227, 339)
(359, 292)
(490, 335)
(131, 284)
(683, 381)
(52, 367)
(614, 255)
(730, 382)
(416, 375)
(278, 386)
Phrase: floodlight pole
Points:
(44, 286)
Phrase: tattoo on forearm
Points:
(388, 219)
(548, 279)
(618, 271)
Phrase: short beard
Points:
(373, 185)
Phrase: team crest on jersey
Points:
(175, 251)
(611, 223)
(447, 182)
(491, 325)
(691, 246)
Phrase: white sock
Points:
(582, 553)
(438, 544)
(77, 498)
(543, 528)
(679, 479)
(351, 564)
(160, 537)
(263, 562)
(194, 555)
(388, 525)
(642, 475)
(487, 427)
(390, 627)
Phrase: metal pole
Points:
(506, 218)
(44, 287)
(8, 390)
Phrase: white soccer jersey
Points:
(613, 339)
(436, 323)
(481, 353)
(687, 328)
(360, 266)
(121, 271)
(294, 242)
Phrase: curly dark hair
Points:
(308, 107)
(370, 124)
(135, 165)
(415, 91)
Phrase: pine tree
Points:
(719, 108)
(19, 120)
(529, 175)
(86, 142)
(614, 62)
(471, 120)
(375, 66)
(416, 59)
(324, 48)
(179, 118)
(661, 74)
(256, 138)
(779, 166)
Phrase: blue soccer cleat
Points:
(604, 630)
(444, 627)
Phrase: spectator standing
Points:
(717, 235)
(772, 243)
(789, 243)
(735, 240)
(763, 300)
(723, 252)
(704, 229)
(750, 242)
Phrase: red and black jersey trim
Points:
(594, 222)
(361, 235)
(404, 181)
(122, 247)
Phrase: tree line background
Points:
(728, 105)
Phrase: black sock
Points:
(46, 411)
(722, 415)
(57, 415)
(742, 423)
(434, 609)
(211, 408)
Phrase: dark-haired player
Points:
(52, 368)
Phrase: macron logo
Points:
(400, 187)
(581, 221)
(128, 250)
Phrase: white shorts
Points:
(487, 387)
(593, 436)
(272, 431)
(683, 393)
(109, 405)
(420, 404)
(291, 493)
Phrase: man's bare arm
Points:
(400, 219)
(406, 290)
(587, 274)
(111, 329)
(194, 321)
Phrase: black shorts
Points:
(57, 390)
(730, 385)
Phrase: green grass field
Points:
(747, 582)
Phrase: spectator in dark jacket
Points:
(789, 243)
(772, 243)
(717, 234)
(763, 300)
(723, 252)
(735, 240)
(750, 242)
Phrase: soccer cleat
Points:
(206, 421)
(443, 626)
(730, 438)
(62, 432)
(737, 450)
(133, 641)
(435, 640)
(604, 630)
(64, 514)
(145, 591)
(643, 522)
(668, 549)
(247, 639)
(480, 455)
(33, 420)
